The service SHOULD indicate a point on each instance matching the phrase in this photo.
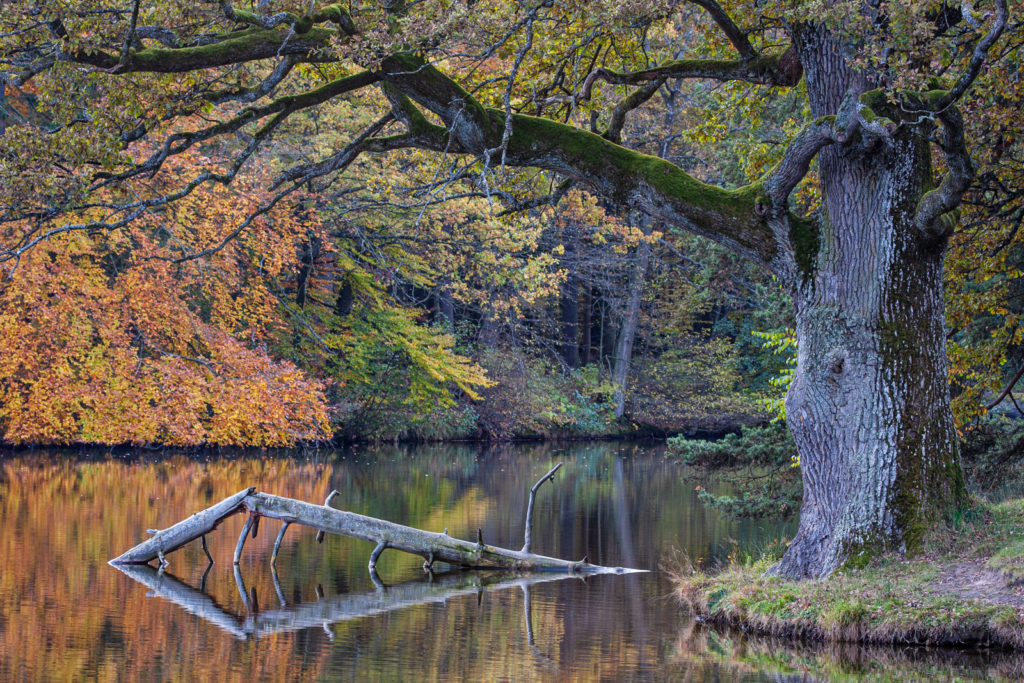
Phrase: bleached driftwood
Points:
(432, 546)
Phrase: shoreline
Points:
(964, 591)
(337, 443)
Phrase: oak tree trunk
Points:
(869, 406)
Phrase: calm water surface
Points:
(67, 615)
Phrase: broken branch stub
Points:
(529, 506)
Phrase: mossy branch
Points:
(243, 46)
(937, 213)
(628, 177)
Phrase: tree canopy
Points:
(184, 155)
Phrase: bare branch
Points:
(529, 508)
(337, 161)
(736, 36)
(1006, 390)
(551, 199)
(977, 58)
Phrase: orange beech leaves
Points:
(109, 340)
(123, 358)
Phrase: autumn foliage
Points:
(97, 356)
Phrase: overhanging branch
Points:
(625, 176)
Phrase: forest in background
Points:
(395, 306)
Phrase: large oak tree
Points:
(869, 406)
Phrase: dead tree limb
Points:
(434, 547)
(185, 531)
(206, 549)
(529, 506)
(327, 502)
(277, 544)
(241, 538)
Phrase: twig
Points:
(1006, 391)
(327, 503)
(205, 549)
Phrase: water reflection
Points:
(787, 660)
(325, 611)
(66, 614)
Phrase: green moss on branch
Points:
(244, 46)
(630, 177)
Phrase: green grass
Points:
(892, 600)
(1010, 561)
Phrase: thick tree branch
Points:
(781, 180)
(977, 58)
(283, 106)
(243, 46)
(625, 176)
(935, 209)
(635, 99)
(782, 70)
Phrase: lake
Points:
(65, 614)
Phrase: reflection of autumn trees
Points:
(65, 614)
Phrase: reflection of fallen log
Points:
(326, 611)
(433, 547)
(164, 585)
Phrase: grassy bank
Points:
(963, 590)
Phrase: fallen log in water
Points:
(433, 547)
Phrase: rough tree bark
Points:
(869, 405)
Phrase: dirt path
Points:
(971, 580)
